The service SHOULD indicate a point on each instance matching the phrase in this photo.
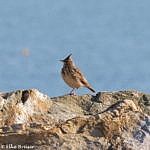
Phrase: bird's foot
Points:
(72, 93)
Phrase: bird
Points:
(72, 75)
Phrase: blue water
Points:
(110, 42)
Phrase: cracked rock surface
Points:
(106, 121)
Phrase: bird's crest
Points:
(68, 57)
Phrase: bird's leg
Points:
(72, 93)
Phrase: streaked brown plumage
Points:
(73, 76)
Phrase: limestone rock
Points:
(108, 120)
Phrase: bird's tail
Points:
(90, 88)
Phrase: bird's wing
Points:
(78, 74)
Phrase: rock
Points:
(109, 120)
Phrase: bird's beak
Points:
(61, 60)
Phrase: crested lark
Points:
(73, 76)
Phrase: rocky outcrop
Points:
(106, 121)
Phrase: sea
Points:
(109, 42)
